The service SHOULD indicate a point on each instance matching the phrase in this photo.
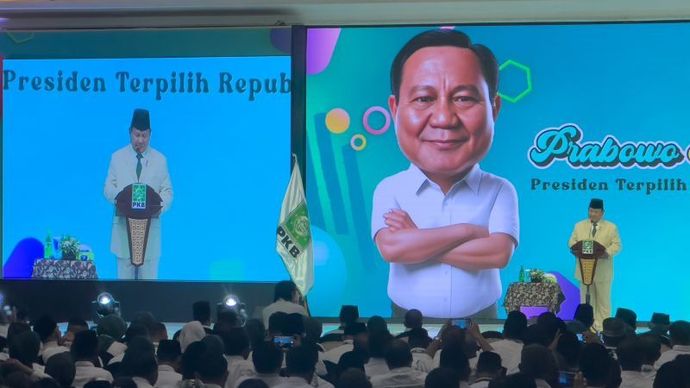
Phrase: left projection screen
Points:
(218, 105)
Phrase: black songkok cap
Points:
(596, 203)
(140, 120)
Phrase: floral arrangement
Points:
(536, 276)
(70, 248)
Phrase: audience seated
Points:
(267, 360)
(237, 348)
(659, 324)
(595, 364)
(419, 341)
(213, 369)
(286, 299)
(61, 368)
(442, 378)
(630, 357)
(139, 362)
(48, 332)
(238, 354)
(453, 356)
(111, 330)
(74, 326)
(399, 362)
(413, 321)
(629, 318)
(680, 341)
(349, 315)
(538, 362)
(583, 319)
(24, 348)
(353, 332)
(488, 369)
(353, 378)
(378, 343)
(201, 312)
(169, 356)
(510, 347)
(85, 354)
(191, 332)
(376, 324)
(612, 333)
(567, 353)
(651, 351)
(301, 363)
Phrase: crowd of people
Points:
(288, 349)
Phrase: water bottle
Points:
(521, 277)
(48, 247)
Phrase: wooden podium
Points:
(588, 252)
(138, 203)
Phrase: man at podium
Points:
(137, 162)
(606, 233)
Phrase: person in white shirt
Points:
(301, 364)
(348, 315)
(135, 330)
(286, 299)
(680, 341)
(140, 362)
(213, 370)
(47, 330)
(488, 368)
(356, 332)
(85, 352)
(137, 162)
(23, 349)
(445, 226)
(168, 354)
(630, 356)
(401, 374)
(419, 342)
(378, 343)
(413, 321)
(236, 343)
(74, 326)
(267, 360)
(114, 327)
(510, 347)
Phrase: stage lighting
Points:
(106, 305)
(231, 303)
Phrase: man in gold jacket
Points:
(605, 233)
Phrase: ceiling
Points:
(49, 14)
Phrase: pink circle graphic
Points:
(386, 125)
(362, 139)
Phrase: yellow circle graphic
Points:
(337, 120)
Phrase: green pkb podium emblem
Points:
(587, 247)
(138, 196)
(294, 234)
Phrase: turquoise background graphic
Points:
(228, 157)
(625, 80)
